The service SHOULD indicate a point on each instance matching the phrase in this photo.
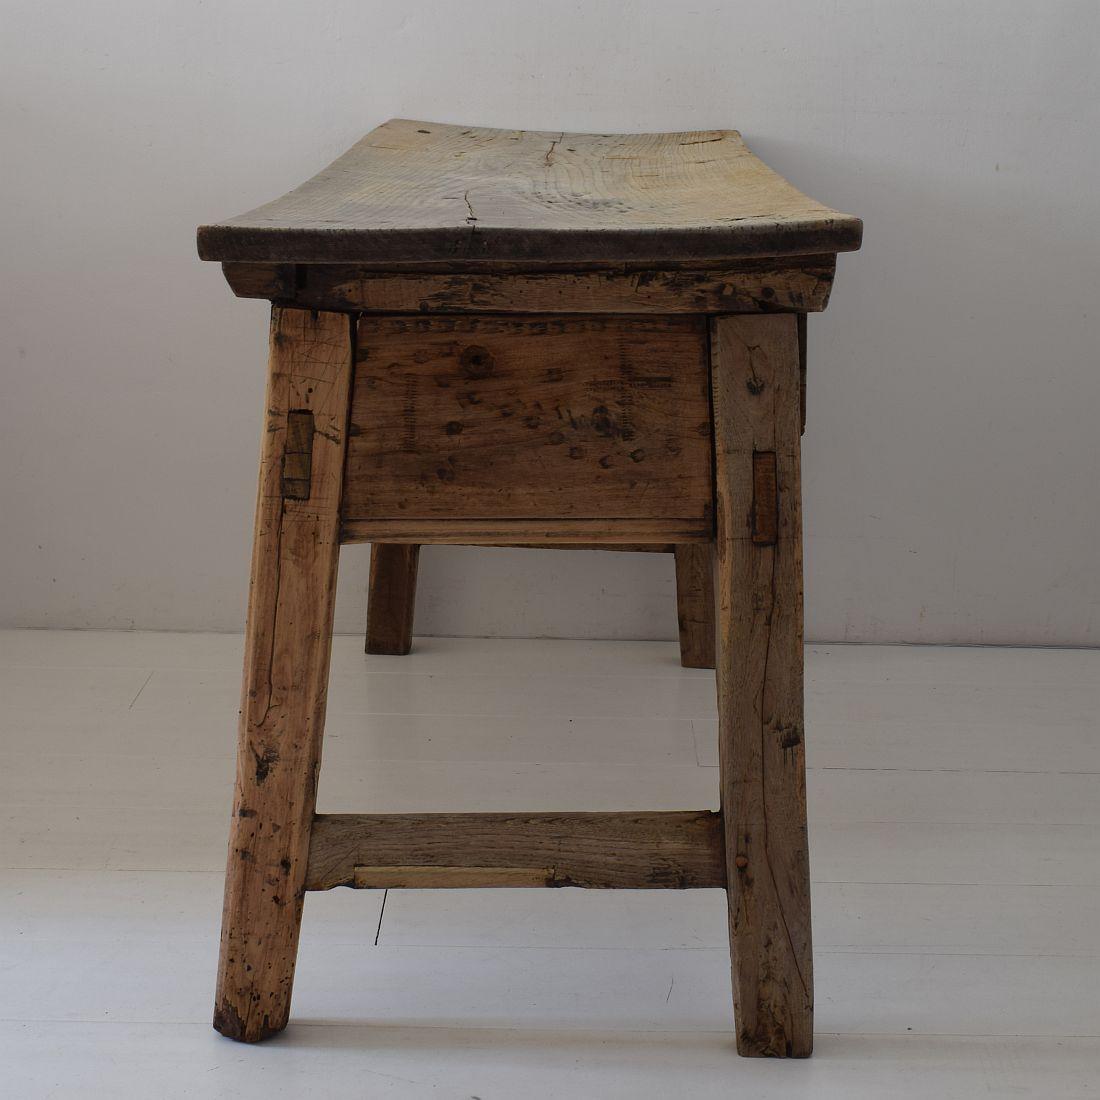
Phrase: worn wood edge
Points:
(473, 532)
(619, 850)
(443, 877)
(291, 598)
(801, 283)
(538, 265)
(345, 244)
(621, 547)
(755, 365)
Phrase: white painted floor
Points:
(955, 850)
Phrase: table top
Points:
(423, 192)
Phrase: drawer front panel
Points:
(498, 417)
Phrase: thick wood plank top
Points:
(421, 192)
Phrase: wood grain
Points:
(663, 850)
(507, 418)
(420, 191)
(455, 878)
(760, 690)
(286, 672)
(391, 597)
(547, 532)
(298, 454)
(765, 498)
(752, 286)
(695, 605)
(622, 547)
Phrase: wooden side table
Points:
(505, 337)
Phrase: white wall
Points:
(952, 467)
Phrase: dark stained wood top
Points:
(421, 192)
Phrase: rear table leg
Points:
(391, 597)
(695, 604)
(761, 753)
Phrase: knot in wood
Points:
(476, 361)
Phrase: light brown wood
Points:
(507, 418)
(695, 605)
(548, 532)
(621, 547)
(286, 672)
(298, 454)
(760, 682)
(420, 191)
(422, 878)
(752, 286)
(671, 850)
(391, 597)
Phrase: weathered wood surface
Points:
(765, 498)
(673, 850)
(547, 532)
(695, 605)
(421, 191)
(760, 681)
(391, 597)
(802, 343)
(286, 672)
(753, 286)
(433, 878)
(298, 455)
(509, 418)
(623, 547)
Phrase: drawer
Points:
(578, 418)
